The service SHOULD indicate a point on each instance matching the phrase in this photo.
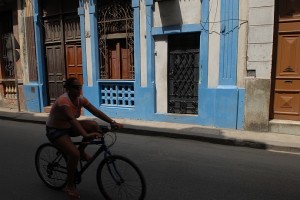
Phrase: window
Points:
(6, 49)
(115, 28)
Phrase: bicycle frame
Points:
(103, 148)
(116, 174)
(117, 177)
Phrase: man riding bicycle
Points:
(62, 124)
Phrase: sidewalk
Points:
(261, 140)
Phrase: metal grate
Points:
(117, 94)
(183, 82)
(7, 56)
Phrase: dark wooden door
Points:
(54, 57)
(56, 71)
(287, 79)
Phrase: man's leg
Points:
(90, 127)
(66, 146)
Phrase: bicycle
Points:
(117, 176)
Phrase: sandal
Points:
(73, 193)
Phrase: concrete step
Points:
(284, 126)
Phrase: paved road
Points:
(175, 169)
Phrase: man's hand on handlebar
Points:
(116, 125)
(94, 135)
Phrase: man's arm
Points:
(98, 113)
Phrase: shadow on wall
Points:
(170, 12)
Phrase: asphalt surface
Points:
(174, 169)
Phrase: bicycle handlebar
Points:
(105, 129)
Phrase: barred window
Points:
(115, 28)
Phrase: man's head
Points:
(73, 86)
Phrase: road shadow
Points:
(211, 135)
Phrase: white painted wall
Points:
(177, 12)
(214, 44)
(87, 36)
(259, 59)
(161, 73)
(260, 37)
(143, 44)
(242, 43)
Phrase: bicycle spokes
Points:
(51, 166)
(119, 178)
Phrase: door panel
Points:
(287, 79)
(114, 51)
(287, 105)
(74, 61)
(125, 63)
(55, 69)
(72, 28)
(288, 62)
(52, 30)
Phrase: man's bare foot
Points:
(72, 192)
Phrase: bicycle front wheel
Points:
(51, 166)
(119, 178)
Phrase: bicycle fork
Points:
(112, 168)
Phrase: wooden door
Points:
(62, 44)
(118, 60)
(56, 71)
(54, 57)
(287, 79)
(114, 54)
(73, 46)
(74, 61)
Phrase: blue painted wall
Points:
(32, 97)
(37, 89)
(220, 107)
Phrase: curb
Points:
(169, 134)
(23, 120)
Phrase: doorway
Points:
(286, 92)
(62, 44)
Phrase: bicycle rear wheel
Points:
(51, 166)
(119, 178)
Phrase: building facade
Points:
(220, 63)
(11, 73)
